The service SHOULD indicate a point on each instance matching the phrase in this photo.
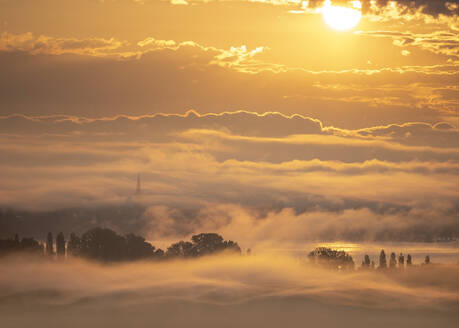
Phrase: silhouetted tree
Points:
(29, 245)
(74, 245)
(427, 259)
(408, 260)
(382, 260)
(180, 249)
(393, 261)
(331, 258)
(49, 244)
(208, 243)
(366, 261)
(401, 260)
(138, 248)
(103, 244)
(107, 245)
(60, 244)
(159, 253)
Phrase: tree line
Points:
(106, 245)
(394, 261)
(340, 260)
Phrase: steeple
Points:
(138, 190)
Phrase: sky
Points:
(240, 116)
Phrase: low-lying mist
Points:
(228, 291)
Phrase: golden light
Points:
(342, 18)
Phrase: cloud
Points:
(36, 45)
(104, 87)
(403, 8)
(241, 164)
(288, 228)
(439, 42)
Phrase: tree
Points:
(401, 260)
(60, 244)
(180, 249)
(427, 259)
(209, 243)
(408, 260)
(206, 243)
(138, 248)
(74, 245)
(49, 244)
(331, 258)
(31, 245)
(201, 245)
(393, 261)
(382, 260)
(159, 253)
(366, 261)
(103, 244)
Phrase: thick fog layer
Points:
(242, 291)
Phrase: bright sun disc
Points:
(340, 18)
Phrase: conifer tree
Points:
(49, 244)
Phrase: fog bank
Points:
(244, 291)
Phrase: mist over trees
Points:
(185, 220)
(106, 245)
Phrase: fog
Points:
(246, 291)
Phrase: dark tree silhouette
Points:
(49, 244)
(427, 259)
(401, 260)
(106, 245)
(408, 260)
(180, 249)
(159, 253)
(382, 260)
(367, 261)
(201, 245)
(103, 244)
(29, 245)
(138, 248)
(331, 258)
(393, 261)
(208, 243)
(60, 245)
(74, 245)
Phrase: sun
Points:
(342, 18)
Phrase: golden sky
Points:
(103, 58)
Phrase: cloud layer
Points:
(256, 291)
(235, 170)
